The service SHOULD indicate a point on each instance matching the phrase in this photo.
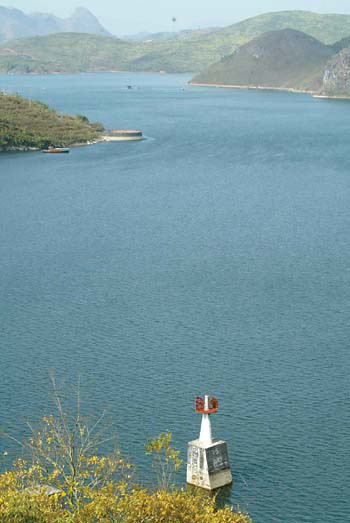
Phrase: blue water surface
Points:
(214, 256)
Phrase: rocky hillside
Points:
(336, 80)
(16, 24)
(278, 59)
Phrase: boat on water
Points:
(56, 150)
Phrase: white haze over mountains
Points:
(16, 24)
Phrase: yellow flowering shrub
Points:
(139, 506)
(174, 507)
(18, 505)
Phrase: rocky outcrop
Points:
(336, 80)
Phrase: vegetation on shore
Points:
(62, 478)
(77, 52)
(26, 124)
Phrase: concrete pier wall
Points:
(123, 136)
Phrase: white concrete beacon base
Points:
(208, 466)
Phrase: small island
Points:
(30, 125)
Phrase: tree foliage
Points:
(165, 459)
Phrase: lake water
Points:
(212, 257)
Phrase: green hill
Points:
(66, 52)
(75, 52)
(28, 124)
(278, 59)
(327, 28)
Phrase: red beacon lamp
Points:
(206, 405)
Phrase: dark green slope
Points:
(279, 59)
(342, 44)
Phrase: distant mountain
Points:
(16, 24)
(186, 51)
(83, 21)
(169, 35)
(277, 59)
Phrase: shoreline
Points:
(254, 88)
(329, 97)
(110, 71)
(314, 94)
(27, 148)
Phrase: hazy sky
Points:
(131, 16)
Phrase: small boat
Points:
(56, 150)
